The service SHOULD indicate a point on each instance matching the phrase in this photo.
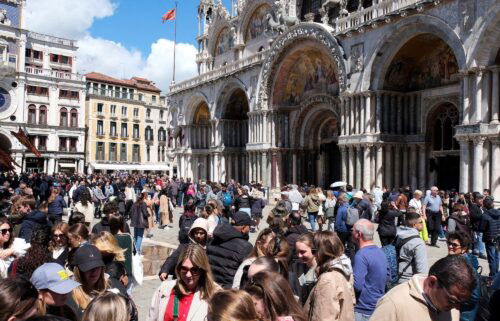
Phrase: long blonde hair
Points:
(107, 243)
(232, 305)
(198, 257)
(84, 294)
(107, 307)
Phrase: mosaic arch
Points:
(202, 114)
(257, 24)
(225, 42)
(424, 62)
(305, 72)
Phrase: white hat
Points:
(358, 194)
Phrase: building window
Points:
(100, 108)
(124, 130)
(123, 152)
(149, 133)
(124, 111)
(162, 135)
(148, 113)
(69, 94)
(141, 97)
(42, 115)
(148, 153)
(161, 114)
(63, 144)
(153, 98)
(72, 144)
(117, 92)
(170, 139)
(60, 59)
(31, 114)
(103, 90)
(136, 112)
(124, 93)
(100, 151)
(74, 118)
(64, 117)
(112, 152)
(39, 91)
(113, 110)
(136, 153)
(42, 142)
(100, 128)
(112, 129)
(136, 131)
(32, 139)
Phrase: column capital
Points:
(479, 71)
(464, 73)
(463, 139)
(494, 68)
(478, 140)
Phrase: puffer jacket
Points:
(332, 299)
(226, 252)
(491, 224)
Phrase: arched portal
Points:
(445, 150)
(200, 141)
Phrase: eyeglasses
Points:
(5, 230)
(59, 236)
(453, 245)
(451, 299)
(193, 270)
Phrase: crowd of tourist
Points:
(70, 248)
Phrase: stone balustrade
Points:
(54, 73)
(52, 39)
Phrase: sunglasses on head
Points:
(5, 230)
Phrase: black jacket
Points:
(103, 226)
(33, 220)
(491, 225)
(386, 225)
(475, 214)
(139, 215)
(226, 252)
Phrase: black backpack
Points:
(187, 222)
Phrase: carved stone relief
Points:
(357, 54)
(467, 14)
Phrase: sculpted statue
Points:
(3, 17)
(332, 9)
(280, 21)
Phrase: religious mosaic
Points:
(426, 67)
(225, 42)
(258, 23)
(304, 74)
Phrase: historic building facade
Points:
(127, 125)
(370, 92)
(41, 93)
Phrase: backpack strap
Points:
(399, 246)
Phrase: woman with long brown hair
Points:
(6, 250)
(332, 299)
(232, 305)
(259, 249)
(273, 297)
(56, 205)
(187, 297)
(58, 245)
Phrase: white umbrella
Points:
(338, 184)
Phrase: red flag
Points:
(23, 139)
(6, 160)
(170, 15)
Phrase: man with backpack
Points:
(226, 198)
(491, 235)
(410, 248)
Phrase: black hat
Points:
(87, 257)
(241, 218)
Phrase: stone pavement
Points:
(143, 294)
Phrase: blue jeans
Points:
(312, 220)
(179, 198)
(478, 243)
(493, 258)
(441, 232)
(358, 316)
(138, 234)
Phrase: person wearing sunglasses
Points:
(459, 243)
(58, 245)
(436, 296)
(6, 250)
(186, 298)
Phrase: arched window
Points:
(149, 133)
(148, 113)
(42, 115)
(161, 134)
(31, 114)
(74, 118)
(63, 122)
(445, 120)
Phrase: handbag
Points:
(137, 265)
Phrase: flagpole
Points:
(175, 42)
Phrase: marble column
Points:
(379, 150)
(486, 164)
(373, 166)
(485, 99)
(343, 152)
(342, 116)
(294, 168)
(495, 95)
(400, 115)
(397, 166)
(477, 174)
(495, 169)
(411, 110)
(413, 166)
(359, 165)
(250, 166)
(394, 114)
(478, 111)
(386, 111)
(229, 161)
(265, 169)
(378, 113)
(351, 165)
(404, 175)
(352, 116)
(464, 165)
(366, 166)
(388, 166)
(362, 113)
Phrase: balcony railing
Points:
(51, 39)
(9, 61)
(53, 73)
(376, 12)
(227, 69)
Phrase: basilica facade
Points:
(387, 92)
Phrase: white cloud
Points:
(72, 19)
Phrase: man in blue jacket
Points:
(33, 219)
